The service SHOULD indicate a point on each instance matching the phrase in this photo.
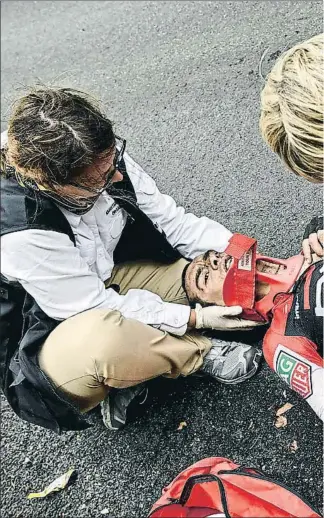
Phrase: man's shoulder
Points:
(140, 179)
(13, 242)
(308, 286)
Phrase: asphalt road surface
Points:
(181, 82)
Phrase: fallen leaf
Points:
(58, 484)
(182, 425)
(283, 409)
(293, 447)
(281, 421)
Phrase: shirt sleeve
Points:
(185, 231)
(52, 270)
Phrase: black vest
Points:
(24, 326)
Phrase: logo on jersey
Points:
(297, 307)
(295, 372)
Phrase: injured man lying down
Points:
(286, 294)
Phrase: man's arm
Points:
(296, 361)
(185, 231)
(313, 238)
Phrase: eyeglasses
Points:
(109, 174)
(119, 155)
(79, 204)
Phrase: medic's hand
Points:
(222, 318)
(313, 238)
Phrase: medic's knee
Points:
(108, 333)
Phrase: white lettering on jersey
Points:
(319, 310)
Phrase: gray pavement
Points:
(180, 80)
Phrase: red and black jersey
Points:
(293, 345)
(306, 315)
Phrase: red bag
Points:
(217, 486)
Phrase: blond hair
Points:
(291, 119)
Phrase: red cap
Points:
(240, 281)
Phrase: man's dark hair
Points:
(53, 132)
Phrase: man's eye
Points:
(206, 276)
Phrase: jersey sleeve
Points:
(296, 361)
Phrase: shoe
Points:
(231, 362)
(118, 403)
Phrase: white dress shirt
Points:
(65, 279)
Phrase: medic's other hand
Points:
(313, 238)
(222, 318)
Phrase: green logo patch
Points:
(295, 372)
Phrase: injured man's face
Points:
(204, 277)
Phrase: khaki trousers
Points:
(92, 351)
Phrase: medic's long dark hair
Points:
(53, 132)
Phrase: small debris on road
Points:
(58, 484)
(283, 409)
(281, 421)
(293, 447)
(182, 425)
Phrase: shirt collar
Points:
(73, 219)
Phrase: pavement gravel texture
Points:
(181, 81)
